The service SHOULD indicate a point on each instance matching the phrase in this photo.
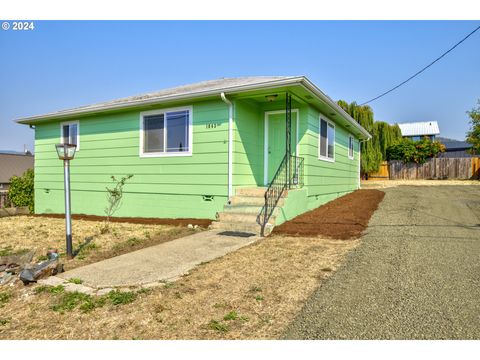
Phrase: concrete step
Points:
(254, 191)
(241, 227)
(244, 209)
(241, 217)
(251, 200)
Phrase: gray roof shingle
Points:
(219, 85)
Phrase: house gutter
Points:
(230, 143)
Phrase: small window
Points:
(327, 140)
(70, 133)
(166, 133)
(350, 147)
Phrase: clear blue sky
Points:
(67, 64)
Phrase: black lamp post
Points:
(66, 152)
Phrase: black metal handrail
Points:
(289, 175)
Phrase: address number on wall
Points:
(212, 125)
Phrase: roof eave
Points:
(153, 101)
(302, 80)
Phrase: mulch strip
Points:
(343, 218)
(146, 221)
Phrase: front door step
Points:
(242, 211)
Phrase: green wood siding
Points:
(175, 187)
(161, 186)
(248, 145)
(327, 180)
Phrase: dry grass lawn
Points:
(253, 293)
(22, 233)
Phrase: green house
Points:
(249, 152)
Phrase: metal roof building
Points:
(426, 128)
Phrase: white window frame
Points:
(352, 140)
(163, 111)
(76, 122)
(328, 121)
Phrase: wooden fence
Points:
(382, 173)
(436, 168)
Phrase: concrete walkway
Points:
(163, 262)
(415, 274)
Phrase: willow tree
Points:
(371, 157)
(386, 135)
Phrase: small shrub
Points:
(75, 281)
(4, 298)
(114, 198)
(132, 241)
(70, 300)
(4, 321)
(168, 284)
(49, 289)
(120, 298)
(144, 291)
(220, 305)
(232, 315)
(21, 191)
(92, 303)
(86, 249)
(259, 298)
(218, 326)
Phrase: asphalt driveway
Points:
(416, 274)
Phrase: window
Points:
(327, 140)
(350, 147)
(70, 133)
(166, 132)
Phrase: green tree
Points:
(473, 135)
(21, 191)
(371, 158)
(383, 136)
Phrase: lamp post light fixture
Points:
(66, 152)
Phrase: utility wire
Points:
(425, 68)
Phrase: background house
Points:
(455, 148)
(418, 130)
(12, 164)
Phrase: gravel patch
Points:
(415, 275)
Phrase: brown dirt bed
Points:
(343, 218)
(134, 220)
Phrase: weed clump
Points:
(119, 297)
(218, 326)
